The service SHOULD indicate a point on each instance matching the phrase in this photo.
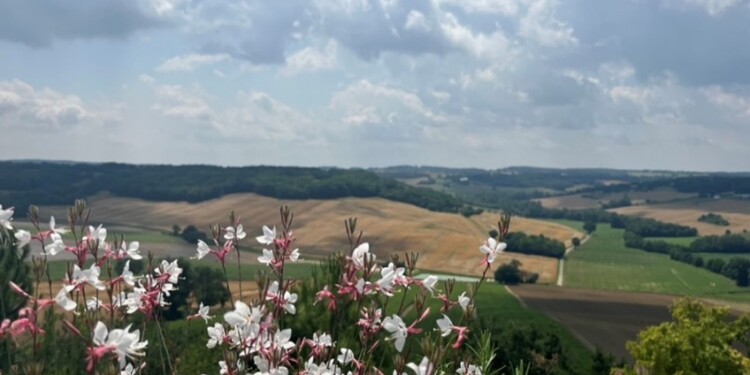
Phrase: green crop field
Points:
(605, 263)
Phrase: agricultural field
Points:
(446, 242)
(603, 319)
(605, 263)
(687, 212)
(583, 201)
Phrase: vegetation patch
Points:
(715, 219)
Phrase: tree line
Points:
(45, 183)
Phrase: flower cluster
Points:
(390, 300)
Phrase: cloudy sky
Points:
(485, 83)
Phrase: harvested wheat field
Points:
(447, 242)
(688, 212)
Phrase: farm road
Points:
(561, 262)
(603, 319)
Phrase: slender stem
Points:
(239, 266)
(164, 345)
(226, 279)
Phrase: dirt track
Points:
(601, 319)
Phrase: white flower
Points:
(129, 370)
(445, 325)
(492, 249)
(6, 216)
(216, 335)
(203, 250)
(124, 343)
(172, 269)
(330, 368)
(132, 250)
(269, 235)
(429, 283)
(264, 368)
(64, 301)
(56, 246)
(232, 233)
(345, 357)
(223, 369)
(288, 300)
(243, 315)
(467, 369)
(23, 237)
(203, 312)
(98, 234)
(395, 325)
(361, 255)
(283, 339)
(294, 256)
(424, 368)
(267, 258)
(53, 228)
(127, 274)
(463, 301)
(391, 275)
(89, 276)
(323, 340)
(93, 304)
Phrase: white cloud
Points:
(310, 59)
(481, 45)
(23, 106)
(714, 7)
(541, 26)
(416, 21)
(180, 102)
(502, 7)
(188, 63)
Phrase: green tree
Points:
(209, 287)
(699, 340)
(576, 241)
(12, 268)
(509, 273)
(589, 227)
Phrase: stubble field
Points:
(447, 243)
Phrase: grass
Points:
(684, 241)
(605, 263)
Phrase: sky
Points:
(638, 84)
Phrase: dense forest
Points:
(45, 183)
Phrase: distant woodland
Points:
(46, 183)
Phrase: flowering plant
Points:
(359, 315)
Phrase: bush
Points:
(715, 219)
(576, 241)
(509, 273)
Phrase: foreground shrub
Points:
(699, 340)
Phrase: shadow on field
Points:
(603, 319)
